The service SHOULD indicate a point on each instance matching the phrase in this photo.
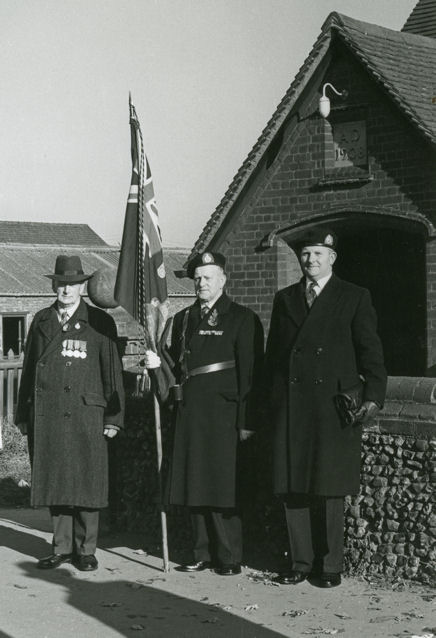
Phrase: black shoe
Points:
(86, 563)
(328, 579)
(54, 560)
(292, 577)
(230, 569)
(199, 566)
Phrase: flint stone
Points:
(418, 487)
(391, 559)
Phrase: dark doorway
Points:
(391, 263)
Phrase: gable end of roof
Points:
(359, 37)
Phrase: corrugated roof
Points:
(422, 20)
(47, 233)
(22, 268)
(401, 63)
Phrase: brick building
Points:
(366, 170)
(28, 251)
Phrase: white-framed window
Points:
(13, 330)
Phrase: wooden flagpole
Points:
(163, 515)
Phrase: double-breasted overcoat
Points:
(71, 386)
(215, 405)
(310, 357)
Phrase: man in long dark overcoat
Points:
(70, 402)
(322, 341)
(217, 347)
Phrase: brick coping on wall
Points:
(410, 408)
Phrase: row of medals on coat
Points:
(73, 347)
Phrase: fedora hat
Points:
(68, 269)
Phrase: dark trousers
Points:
(316, 532)
(217, 535)
(74, 530)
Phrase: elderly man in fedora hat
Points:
(70, 402)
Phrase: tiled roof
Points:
(22, 268)
(47, 233)
(401, 63)
(422, 20)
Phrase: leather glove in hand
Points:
(367, 411)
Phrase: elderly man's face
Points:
(67, 294)
(209, 281)
(317, 261)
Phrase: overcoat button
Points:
(295, 380)
(67, 388)
(318, 381)
(67, 414)
(297, 350)
(318, 351)
(67, 364)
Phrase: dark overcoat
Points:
(71, 386)
(215, 405)
(310, 357)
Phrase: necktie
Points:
(203, 311)
(64, 318)
(310, 294)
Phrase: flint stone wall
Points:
(390, 527)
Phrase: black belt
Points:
(213, 367)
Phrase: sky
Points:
(205, 77)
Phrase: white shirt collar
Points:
(211, 302)
(70, 310)
(319, 285)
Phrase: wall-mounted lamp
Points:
(324, 102)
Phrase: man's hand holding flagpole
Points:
(141, 286)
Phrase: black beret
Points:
(205, 259)
(317, 237)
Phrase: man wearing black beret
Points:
(217, 347)
(322, 342)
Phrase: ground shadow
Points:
(124, 606)
(24, 542)
(11, 494)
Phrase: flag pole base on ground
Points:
(163, 516)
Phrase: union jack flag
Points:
(141, 286)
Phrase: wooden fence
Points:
(10, 376)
